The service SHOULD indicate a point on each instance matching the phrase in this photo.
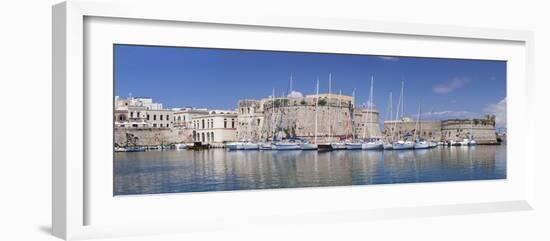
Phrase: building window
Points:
(211, 123)
(203, 125)
(224, 123)
(138, 114)
(160, 124)
(212, 136)
(160, 117)
(154, 117)
(202, 136)
(232, 123)
(147, 116)
(167, 117)
(134, 125)
(155, 125)
(131, 114)
(167, 125)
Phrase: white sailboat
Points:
(402, 144)
(370, 143)
(307, 145)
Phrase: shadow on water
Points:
(221, 170)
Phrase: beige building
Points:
(215, 127)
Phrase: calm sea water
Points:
(220, 170)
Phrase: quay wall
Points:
(151, 136)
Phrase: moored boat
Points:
(421, 145)
(284, 146)
(338, 146)
(180, 146)
(308, 146)
(135, 149)
(387, 146)
(354, 146)
(372, 145)
(232, 146)
(403, 145)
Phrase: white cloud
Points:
(450, 114)
(388, 58)
(499, 110)
(295, 94)
(449, 86)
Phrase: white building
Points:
(215, 127)
(183, 117)
(141, 113)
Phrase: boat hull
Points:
(338, 146)
(286, 147)
(403, 146)
(372, 146)
(421, 145)
(308, 146)
(388, 146)
(354, 146)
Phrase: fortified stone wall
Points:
(481, 130)
(151, 136)
(299, 121)
(428, 130)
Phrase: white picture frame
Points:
(73, 188)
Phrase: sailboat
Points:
(353, 144)
(286, 145)
(420, 142)
(307, 145)
(387, 144)
(371, 143)
(401, 144)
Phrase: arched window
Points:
(202, 136)
(212, 136)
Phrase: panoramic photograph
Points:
(190, 119)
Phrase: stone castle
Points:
(337, 118)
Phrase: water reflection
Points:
(218, 169)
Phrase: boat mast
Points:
(329, 114)
(351, 114)
(339, 107)
(273, 116)
(418, 127)
(316, 105)
(370, 103)
(399, 104)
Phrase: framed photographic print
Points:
(204, 122)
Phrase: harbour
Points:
(174, 171)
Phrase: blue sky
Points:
(218, 78)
